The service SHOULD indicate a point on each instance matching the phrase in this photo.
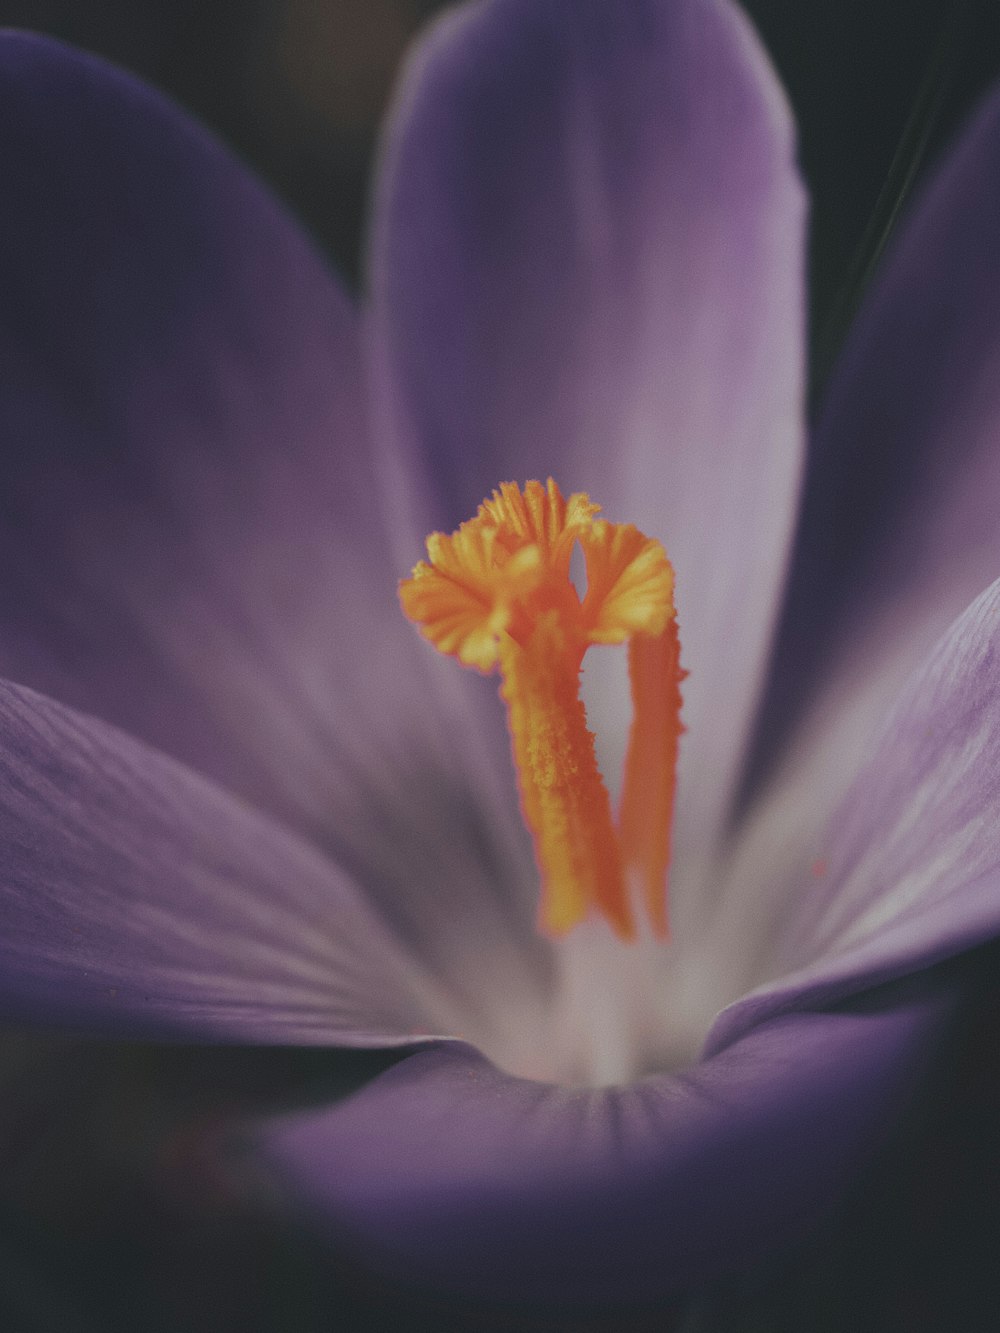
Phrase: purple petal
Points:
(136, 898)
(899, 528)
(588, 261)
(190, 532)
(909, 869)
(446, 1172)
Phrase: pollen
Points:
(497, 595)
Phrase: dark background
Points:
(113, 1218)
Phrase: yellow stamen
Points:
(647, 803)
(497, 594)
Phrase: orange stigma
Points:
(497, 594)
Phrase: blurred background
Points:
(112, 1214)
(298, 88)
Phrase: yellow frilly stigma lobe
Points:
(497, 594)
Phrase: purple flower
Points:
(243, 802)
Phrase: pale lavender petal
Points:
(190, 532)
(136, 898)
(587, 261)
(445, 1172)
(899, 527)
(908, 871)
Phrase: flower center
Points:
(497, 594)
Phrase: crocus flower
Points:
(244, 802)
